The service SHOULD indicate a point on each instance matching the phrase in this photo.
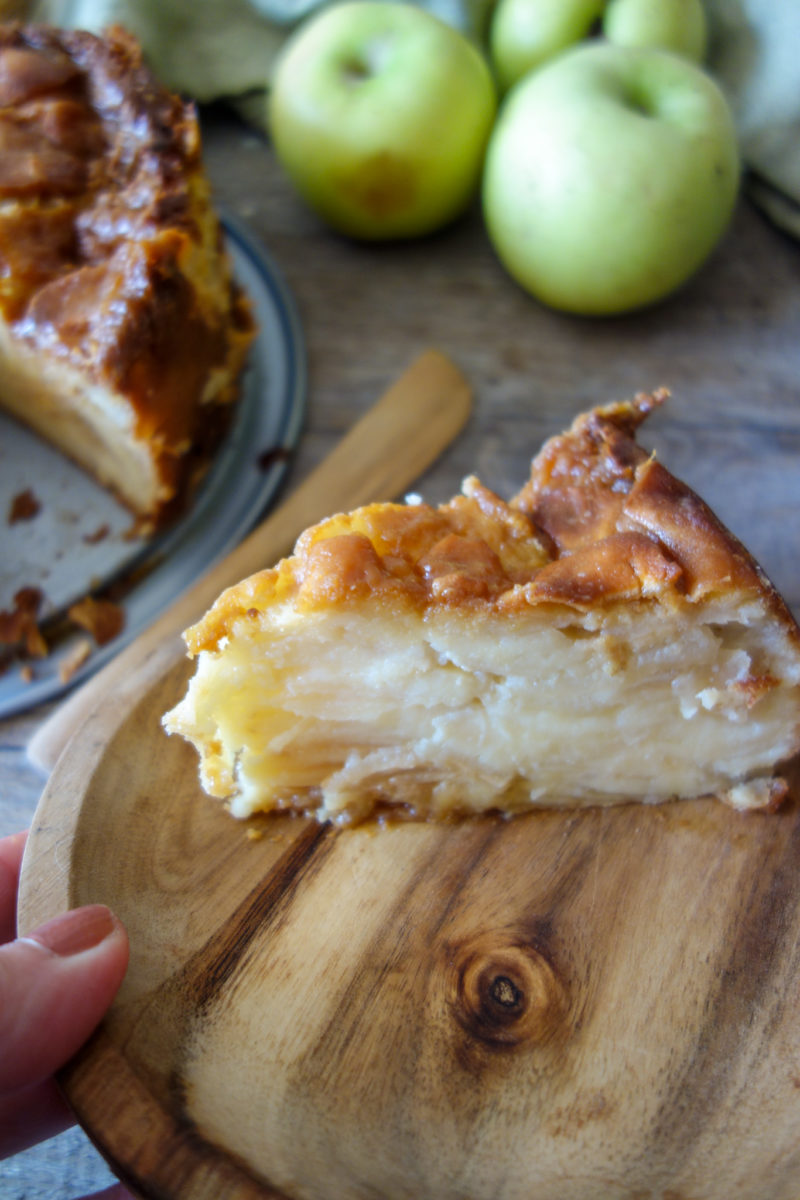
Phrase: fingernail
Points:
(75, 931)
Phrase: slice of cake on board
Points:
(122, 330)
(601, 638)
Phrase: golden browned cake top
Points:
(102, 195)
(600, 521)
(595, 483)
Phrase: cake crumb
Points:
(99, 535)
(103, 619)
(20, 626)
(74, 660)
(24, 507)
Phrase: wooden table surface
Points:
(728, 347)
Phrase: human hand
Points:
(55, 985)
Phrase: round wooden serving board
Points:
(594, 1005)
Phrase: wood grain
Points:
(571, 1006)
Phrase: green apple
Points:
(380, 114)
(525, 33)
(677, 25)
(610, 176)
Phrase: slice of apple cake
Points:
(601, 638)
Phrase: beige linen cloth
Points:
(225, 49)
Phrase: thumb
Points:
(55, 985)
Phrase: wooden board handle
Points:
(381, 456)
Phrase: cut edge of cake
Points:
(600, 638)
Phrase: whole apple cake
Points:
(601, 638)
(122, 331)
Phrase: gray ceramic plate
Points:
(60, 549)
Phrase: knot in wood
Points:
(504, 992)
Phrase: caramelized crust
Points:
(600, 521)
(472, 551)
(595, 481)
(112, 268)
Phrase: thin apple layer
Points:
(600, 639)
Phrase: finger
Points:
(55, 986)
(10, 859)
(32, 1116)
